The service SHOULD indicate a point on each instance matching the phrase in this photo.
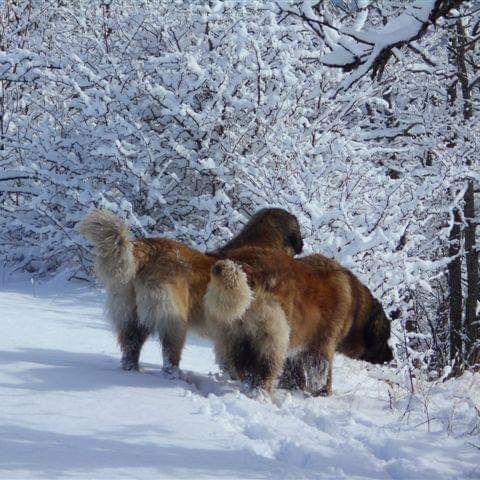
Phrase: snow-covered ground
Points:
(68, 411)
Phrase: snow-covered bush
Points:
(155, 110)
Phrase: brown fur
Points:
(326, 307)
(268, 228)
(157, 285)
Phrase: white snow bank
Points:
(68, 411)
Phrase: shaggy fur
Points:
(268, 228)
(252, 347)
(326, 307)
(157, 285)
(114, 262)
(218, 297)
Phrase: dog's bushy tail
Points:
(114, 259)
(228, 294)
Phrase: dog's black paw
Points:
(129, 365)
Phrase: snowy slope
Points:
(68, 411)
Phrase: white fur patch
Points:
(156, 308)
(120, 305)
(267, 320)
(118, 267)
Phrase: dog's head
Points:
(268, 228)
(284, 229)
(376, 335)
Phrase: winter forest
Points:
(185, 117)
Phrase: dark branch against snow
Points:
(364, 52)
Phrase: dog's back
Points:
(314, 299)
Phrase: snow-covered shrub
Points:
(157, 111)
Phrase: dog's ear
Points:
(376, 335)
(377, 329)
(296, 242)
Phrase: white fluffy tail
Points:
(114, 260)
(228, 294)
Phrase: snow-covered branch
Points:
(362, 52)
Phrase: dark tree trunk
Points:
(472, 327)
(455, 287)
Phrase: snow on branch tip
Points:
(363, 52)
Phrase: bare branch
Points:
(398, 32)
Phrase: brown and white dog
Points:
(156, 285)
(267, 310)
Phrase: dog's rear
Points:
(114, 259)
(250, 330)
(115, 266)
(146, 287)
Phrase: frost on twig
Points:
(361, 52)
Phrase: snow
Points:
(368, 45)
(68, 411)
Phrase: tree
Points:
(363, 46)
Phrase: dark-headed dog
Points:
(268, 310)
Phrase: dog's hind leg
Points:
(173, 329)
(318, 364)
(122, 312)
(164, 308)
(131, 338)
(173, 340)
(261, 345)
(293, 374)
